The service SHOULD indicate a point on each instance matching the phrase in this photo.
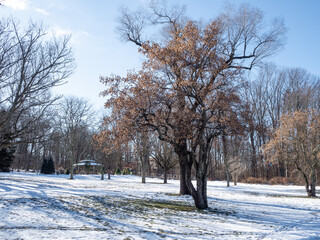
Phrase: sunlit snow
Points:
(53, 207)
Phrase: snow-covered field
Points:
(53, 207)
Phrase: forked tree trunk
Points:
(201, 167)
(201, 200)
(199, 195)
(310, 183)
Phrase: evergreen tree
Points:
(44, 166)
(51, 169)
(6, 154)
(47, 166)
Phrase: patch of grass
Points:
(172, 194)
(290, 196)
(161, 183)
(176, 206)
(252, 193)
(218, 211)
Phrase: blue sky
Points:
(99, 52)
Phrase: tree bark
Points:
(143, 172)
(144, 165)
(144, 156)
(235, 178)
(228, 178)
(313, 181)
(226, 160)
(185, 173)
(199, 195)
(185, 168)
(102, 173)
(253, 155)
(201, 200)
(71, 171)
(165, 175)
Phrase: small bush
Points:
(279, 181)
(117, 172)
(296, 178)
(255, 180)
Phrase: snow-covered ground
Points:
(53, 207)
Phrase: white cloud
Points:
(76, 36)
(16, 4)
(23, 5)
(42, 11)
(59, 32)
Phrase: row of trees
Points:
(67, 138)
(34, 123)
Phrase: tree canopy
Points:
(187, 88)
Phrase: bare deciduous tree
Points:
(163, 155)
(30, 65)
(75, 116)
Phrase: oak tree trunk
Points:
(185, 168)
(185, 174)
(199, 195)
(313, 180)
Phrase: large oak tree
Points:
(186, 90)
